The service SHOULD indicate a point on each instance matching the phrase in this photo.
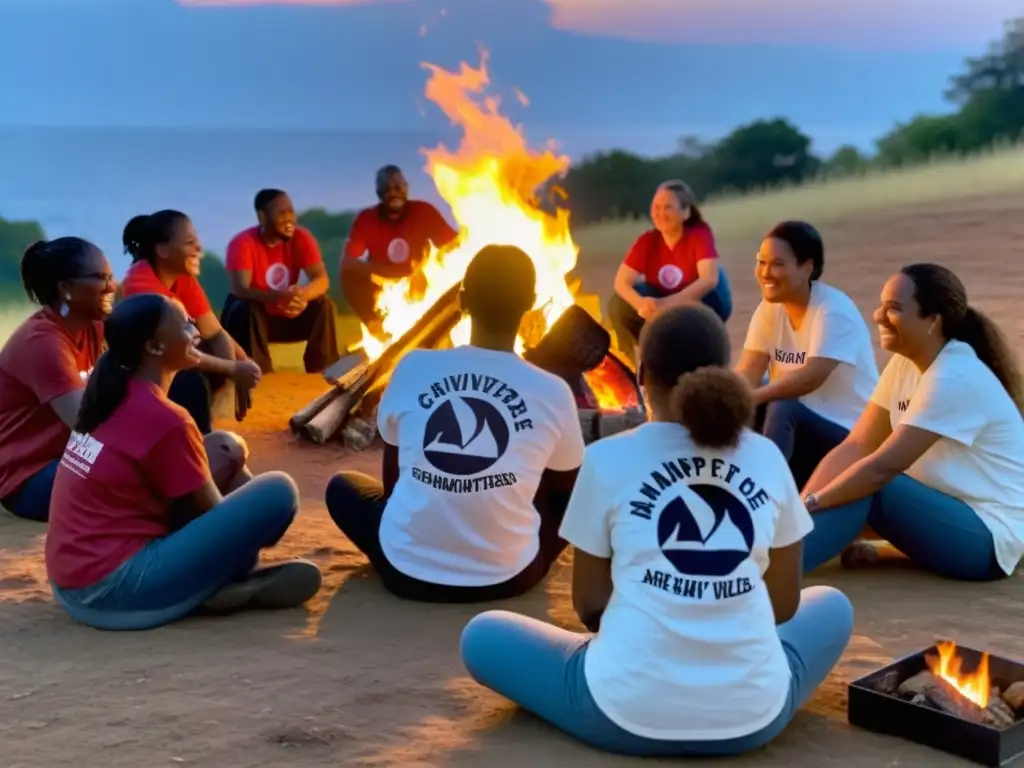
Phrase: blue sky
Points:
(597, 72)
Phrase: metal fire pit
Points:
(886, 713)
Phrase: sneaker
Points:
(285, 585)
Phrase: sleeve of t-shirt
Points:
(704, 244)
(177, 464)
(392, 402)
(946, 405)
(568, 452)
(882, 394)
(239, 255)
(48, 367)
(759, 331)
(307, 250)
(193, 298)
(441, 233)
(834, 336)
(586, 524)
(355, 244)
(794, 521)
(636, 257)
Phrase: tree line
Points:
(987, 100)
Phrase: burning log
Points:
(575, 344)
(1014, 696)
(928, 689)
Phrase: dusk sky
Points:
(597, 72)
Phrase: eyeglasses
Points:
(104, 277)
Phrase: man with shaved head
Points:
(388, 242)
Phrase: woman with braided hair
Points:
(935, 464)
(140, 534)
(44, 366)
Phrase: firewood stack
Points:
(574, 345)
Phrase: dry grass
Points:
(744, 217)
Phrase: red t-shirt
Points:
(142, 278)
(40, 362)
(401, 241)
(671, 269)
(273, 268)
(114, 487)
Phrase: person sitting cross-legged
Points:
(481, 453)
(688, 533)
(268, 304)
(140, 534)
(935, 464)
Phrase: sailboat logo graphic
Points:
(465, 436)
(707, 536)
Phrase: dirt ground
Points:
(362, 679)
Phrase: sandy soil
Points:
(362, 679)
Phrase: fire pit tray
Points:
(883, 713)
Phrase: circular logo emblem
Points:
(465, 436)
(398, 251)
(710, 536)
(278, 277)
(670, 276)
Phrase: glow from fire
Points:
(975, 686)
(490, 183)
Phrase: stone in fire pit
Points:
(930, 698)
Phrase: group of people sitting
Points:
(691, 533)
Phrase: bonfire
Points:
(491, 183)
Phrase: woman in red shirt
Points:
(139, 534)
(166, 254)
(44, 365)
(675, 263)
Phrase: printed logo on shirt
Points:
(278, 277)
(81, 453)
(902, 405)
(471, 423)
(789, 358)
(398, 251)
(705, 536)
(670, 276)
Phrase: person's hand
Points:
(246, 374)
(417, 285)
(243, 402)
(647, 307)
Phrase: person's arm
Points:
(239, 268)
(226, 358)
(442, 233)
(311, 262)
(797, 383)
(389, 413)
(47, 366)
(871, 430)
(706, 282)
(625, 278)
(389, 469)
(752, 367)
(178, 468)
(591, 587)
(784, 575)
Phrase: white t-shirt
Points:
(979, 457)
(475, 430)
(688, 648)
(833, 329)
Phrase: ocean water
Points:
(89, 182)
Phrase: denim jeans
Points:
(627, 324)
(173, 576)
(356, 502)
(540, 667)
(803, 436)
(32, 500)
(937, 532)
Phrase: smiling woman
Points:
(44, 366)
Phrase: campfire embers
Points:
(932, 699)
(576, 348)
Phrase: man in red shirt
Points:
(267, 304)
(388, 242)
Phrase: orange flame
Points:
(975, 686)
(490, 182)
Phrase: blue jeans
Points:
(937, 532)
(540, 667)
(803, 436)
(627, 324)
(32, 500)
(173, 576)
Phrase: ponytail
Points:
(105, 391)
(144, 233)
(989, 344)
(34, 275)
(714, 404)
